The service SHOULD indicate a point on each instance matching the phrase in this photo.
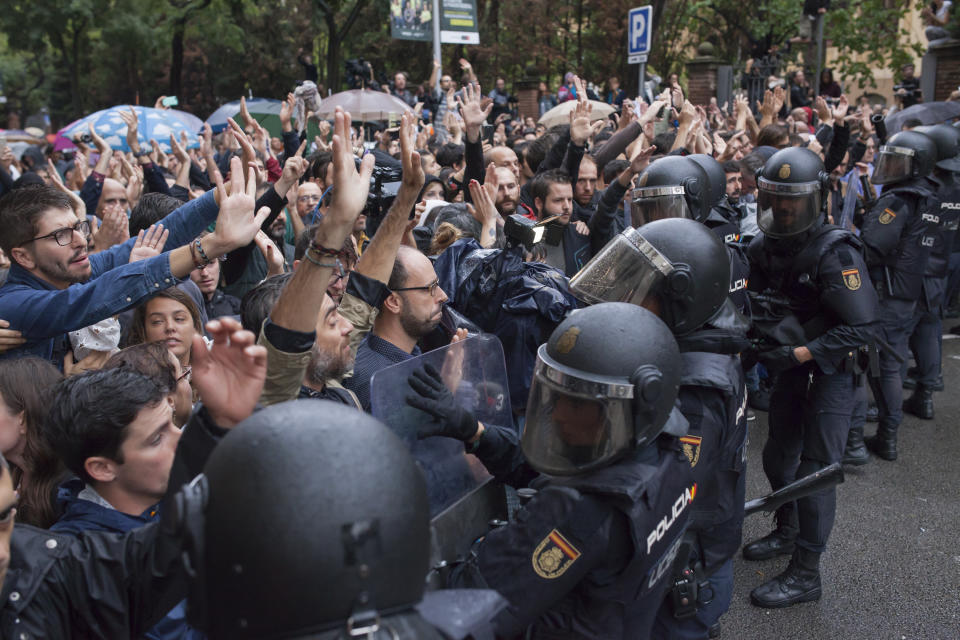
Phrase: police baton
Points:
(817, 481)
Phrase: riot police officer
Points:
(679, 269)
(899, 232)
(591, 554)
(293, 533)
(694, 187)
(927, 334)
(813, 308)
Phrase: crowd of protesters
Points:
(142, 286)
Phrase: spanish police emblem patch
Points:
(886, 217)
(553, 556)
(784, 171)
(851, 278)
(568, 340)
(691, 448)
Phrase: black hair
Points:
(540, 184)
(664, 141)
(751, 163)
(449, 154)
(731, 166)
(613, 169)
(319, 164)
(151, 209)
(21, 210)
(536, 151)
(257, 303)
(91, 412)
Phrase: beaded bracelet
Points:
(332, 265)
(323, 251)
(193, 256)
(203, 254)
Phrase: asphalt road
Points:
(892, 568)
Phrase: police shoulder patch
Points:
(851, 279)
(691, 448)
(553, 556)
(887, 216)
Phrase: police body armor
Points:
(788, 306)
(717, 518)
(899, 232)
(658, 515)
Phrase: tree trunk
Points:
(176, 57)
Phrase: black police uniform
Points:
(926, 334)
(102, 585)
(713, 398)
(899, 233)
(829, 294)
(591, 556)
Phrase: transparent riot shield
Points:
(475, 372)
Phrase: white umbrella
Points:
(560, 114)
(364, 105)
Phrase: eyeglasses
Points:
(432, 288)
(64, 236)
(187, 374)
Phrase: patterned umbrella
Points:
(154, 124)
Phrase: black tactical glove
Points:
(432, 396)
(778, 359)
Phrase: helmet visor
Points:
(656, 203)
(575, 424)
(784, 210)
(893, 164)
(627, 269)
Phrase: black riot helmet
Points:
(316, 521)
(790, 190)
(604, 384)
(908, 154)
(716, 177)
(680, 262)
(671, 187)
(947, 141)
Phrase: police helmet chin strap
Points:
(361, 547)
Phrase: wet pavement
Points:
(892, 567)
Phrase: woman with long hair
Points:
(170, 317)
(25, 391)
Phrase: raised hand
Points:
(79, 208)
(248, 120)
(286, 112)
(580, 116)
(352, 186)
(113, 230)
(293, 169)
(230, 375)
(246, 146)
(130, 119)
(840, 111)
(149, 243)
(236, 223)
(413, 177)
(270, 252)
(470, 110)
(823, 111)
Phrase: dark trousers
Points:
(926, 335)
(895, 319)
(809, 421)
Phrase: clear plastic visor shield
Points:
(893, 164)
(627, 269)
(574, 423)
(785, 210)
(656, 203)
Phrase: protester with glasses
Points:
(54, 286)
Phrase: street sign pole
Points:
(639, 26)
(436, 39)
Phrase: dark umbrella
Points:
(925, 112)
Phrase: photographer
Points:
(909, 88)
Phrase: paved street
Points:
(892, 569)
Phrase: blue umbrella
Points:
(260, 109)
(156, 124)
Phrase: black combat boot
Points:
(799, 583)
(884, 444)
(856, 452)
(920, 404)
(778, 542)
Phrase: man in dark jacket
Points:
(568, 245)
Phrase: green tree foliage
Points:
(75, 56)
